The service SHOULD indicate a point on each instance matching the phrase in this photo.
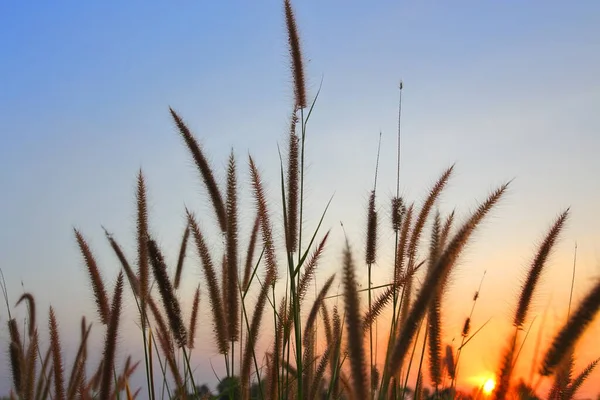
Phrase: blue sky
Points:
(504, 89)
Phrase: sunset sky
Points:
(503, 89)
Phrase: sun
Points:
(488, 386)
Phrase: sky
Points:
(503, 90)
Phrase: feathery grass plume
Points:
(31, 308)
(293, 175)
(436, 277)
(503, 379)
(224, 291)
(354, 326)
(319, 373)
(16, 366)
(449, 360)
(142, 248)
(182, 249)
(250, 253)
(265, 224)
(15, 339)
(309, 268)
(314, 311)
(30, 366)
(232, 299)
(308, 360)
(253, 332)
(371, 245)
(160, 322)
(96, 279)
(434, 316)
(572, 330)
(562, 377)
(77, 376)
(110, 341)
(194, 318)
(326, 324)
(398, 211)
(204, 169)
(377, 307)
(403, 243)
(417, 230)
(295, 56)
(536, 269)
(167, 293)
(131, 277)
(466, 327)
(216, 305)
(580, 379)
(445, 233)
(59, 384)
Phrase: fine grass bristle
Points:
(96, 279)
(580, 379)
(167, 293)
(204, 169)
(194, 318)
(436, 277)
(142, 249)
(232, 298)
(31, 307)
(293, 177)
(181, 258)
(265, 224)
(110, 340)
(295, 56)
(216, 305)
(572, 330)
(537, 268)
(371, 245)
(57, 363)
(354, 328)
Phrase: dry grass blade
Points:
(110, 341)
(572, 330)
(437, 276)
(96, 279)
(296, 56)
(537, 268)
(59, 385)
(354, 326)
(78, 369)
(216, 305)
(181, 258)
(232, 299)
(167, 293)
(194, 318)
(39, 388)
(205, 170)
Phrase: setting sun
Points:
(489, 386)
